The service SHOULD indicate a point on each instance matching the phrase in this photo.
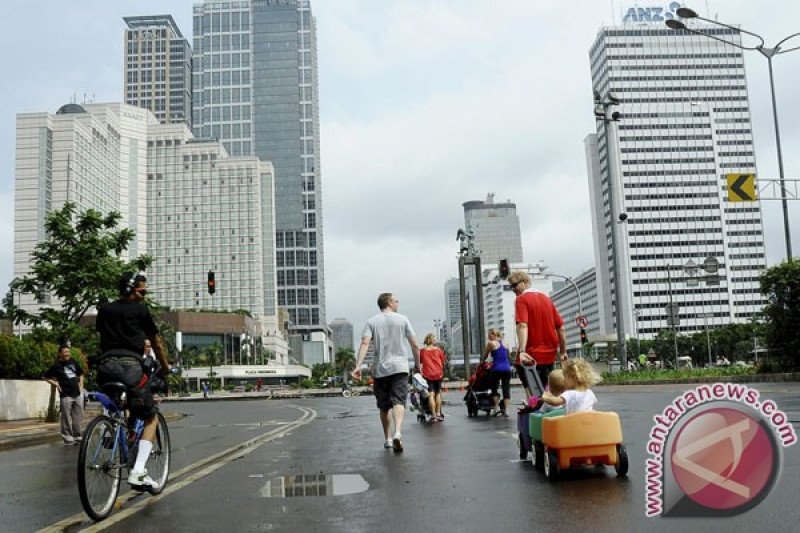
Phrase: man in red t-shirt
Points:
(540, 329)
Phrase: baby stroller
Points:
(419, 398)
(479, 393)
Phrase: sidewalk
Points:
(32, 432)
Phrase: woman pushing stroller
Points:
(501, 371)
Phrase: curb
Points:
(740, 378)
(46, 435)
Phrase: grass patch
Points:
(657, 375)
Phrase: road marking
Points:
(200, 469)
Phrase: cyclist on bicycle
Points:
(124, 325)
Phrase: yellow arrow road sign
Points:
(741, 187)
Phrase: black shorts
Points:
(434, 385)
(129, 371)
(390, 391)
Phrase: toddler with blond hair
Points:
(579, 377)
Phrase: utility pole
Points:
(469, 256)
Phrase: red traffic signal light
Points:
(211, 285)
(504, 269)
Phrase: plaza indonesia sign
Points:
(651, 14)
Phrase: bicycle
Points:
(109, 447)
(348, 391)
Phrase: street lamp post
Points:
(604, 111)
(708, 338)
(768, 53)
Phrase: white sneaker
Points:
(141, 479)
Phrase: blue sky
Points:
(425, 104)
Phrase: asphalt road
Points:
(319, 465)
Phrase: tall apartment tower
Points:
(158, 68)
(684, 125)
(452, 314)
(496, 228)
(342, 330)
(256, 90)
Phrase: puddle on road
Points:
(314, 486)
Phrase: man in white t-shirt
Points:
(393, 338)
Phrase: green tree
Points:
(75, 268)
(781, 285)
(345, 360)
(320, 372)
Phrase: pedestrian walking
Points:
(540, 329)
(432, 358)
(67, 376)
(392, 337)
(205, 390)
(500, 375)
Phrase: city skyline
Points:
(506, 109)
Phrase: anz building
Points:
(689, 257)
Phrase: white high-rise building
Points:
(496, 229)
(684, 125)
(93, 155)
(205, 214)
(452, 315)
(193, 207)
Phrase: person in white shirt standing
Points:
(393, 337)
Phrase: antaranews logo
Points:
(715, 451)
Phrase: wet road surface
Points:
(331, 473)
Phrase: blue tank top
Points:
(500, 361)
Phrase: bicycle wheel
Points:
(158, 462)
(99, 468)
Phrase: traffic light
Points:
(211, 286)
(584, 340)
(504, 269)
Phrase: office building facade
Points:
(342, 332)
(158, 68)
(191, 206)
(256, 90)
(93, 155)
(684, 125)
(496, 229)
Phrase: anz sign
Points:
(651, 14)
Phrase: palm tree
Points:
(345, 358)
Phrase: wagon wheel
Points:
(551, 468)
(537, 455)
(622, 461)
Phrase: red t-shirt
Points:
(536, 309)
(432, 360)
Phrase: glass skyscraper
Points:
(255, 89)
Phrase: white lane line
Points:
(219, 459)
